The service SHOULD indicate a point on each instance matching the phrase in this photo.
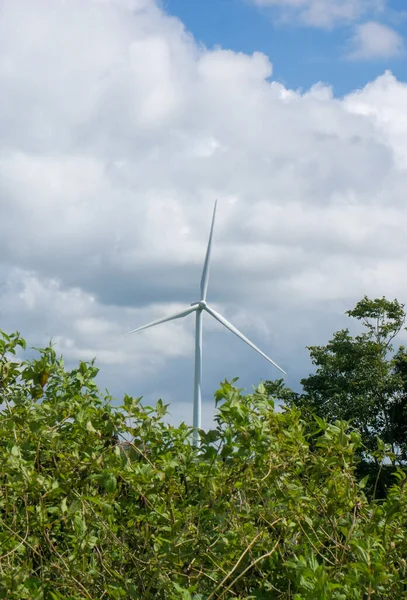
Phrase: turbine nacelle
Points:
(201, 305)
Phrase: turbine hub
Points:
(202, 304)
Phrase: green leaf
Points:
(110, 483)
(91, 429)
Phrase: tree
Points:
(361, 378)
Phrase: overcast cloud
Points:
(117, 133)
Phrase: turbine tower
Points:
(198, 308)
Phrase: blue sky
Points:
(117, 132)
(301, 55)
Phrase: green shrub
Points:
(104, 502)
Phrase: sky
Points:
(121, 121)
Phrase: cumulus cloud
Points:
(323, 13)
(382, 101)
(118, 132)
(375, 41)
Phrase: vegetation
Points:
(105, 502)
(362, 379)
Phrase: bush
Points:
(104, 502)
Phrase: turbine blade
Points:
(205, 272)
(240, 335)
(179, 315)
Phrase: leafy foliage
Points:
(361, 378)
(103, 502)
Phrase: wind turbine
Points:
(198, 308)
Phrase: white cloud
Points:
(383, 102)
(119, 131)
(375, 41)
(323, 13)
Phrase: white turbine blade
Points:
(240, 335)
(205, 272)
(179, 315)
